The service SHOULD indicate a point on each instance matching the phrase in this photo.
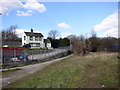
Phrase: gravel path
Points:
(26, 70)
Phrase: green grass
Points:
(89, 71)
(6, 72)
(11, 70)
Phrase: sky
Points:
(68, 18)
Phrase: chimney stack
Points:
(31, 30)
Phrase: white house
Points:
(36, 40)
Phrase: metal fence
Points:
(10, 54)
(12, 43)
(20, 54)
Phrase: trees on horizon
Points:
(9, 34)
(81, 44)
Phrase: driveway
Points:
(26, 70)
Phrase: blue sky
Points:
(66, 17)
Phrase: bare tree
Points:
(93, 41)
(53, 34)
(10, 33)
(78, 43)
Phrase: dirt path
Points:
(26, 70)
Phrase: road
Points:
(26, 70)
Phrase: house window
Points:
(31, 38)
(32, 45)
(37, 44)
(36, 38)
(40, 38)
(24, 38)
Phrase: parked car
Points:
(5, 45)
(27, 46)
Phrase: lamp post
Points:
(69, 37)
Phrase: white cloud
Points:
(63, 35)
(88, 35)
(20, 32)
(112, 32)
(7, 5)
(109, 26)
(63, 25)
(34, 5)
(23, 13)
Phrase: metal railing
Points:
(20, 54)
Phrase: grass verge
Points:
(10, 71)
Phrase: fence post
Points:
(1, 56)
(14, 55)
(32, 54)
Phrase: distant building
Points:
(36, 40)
(115, 47)
(16, 43)
(47, 43)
